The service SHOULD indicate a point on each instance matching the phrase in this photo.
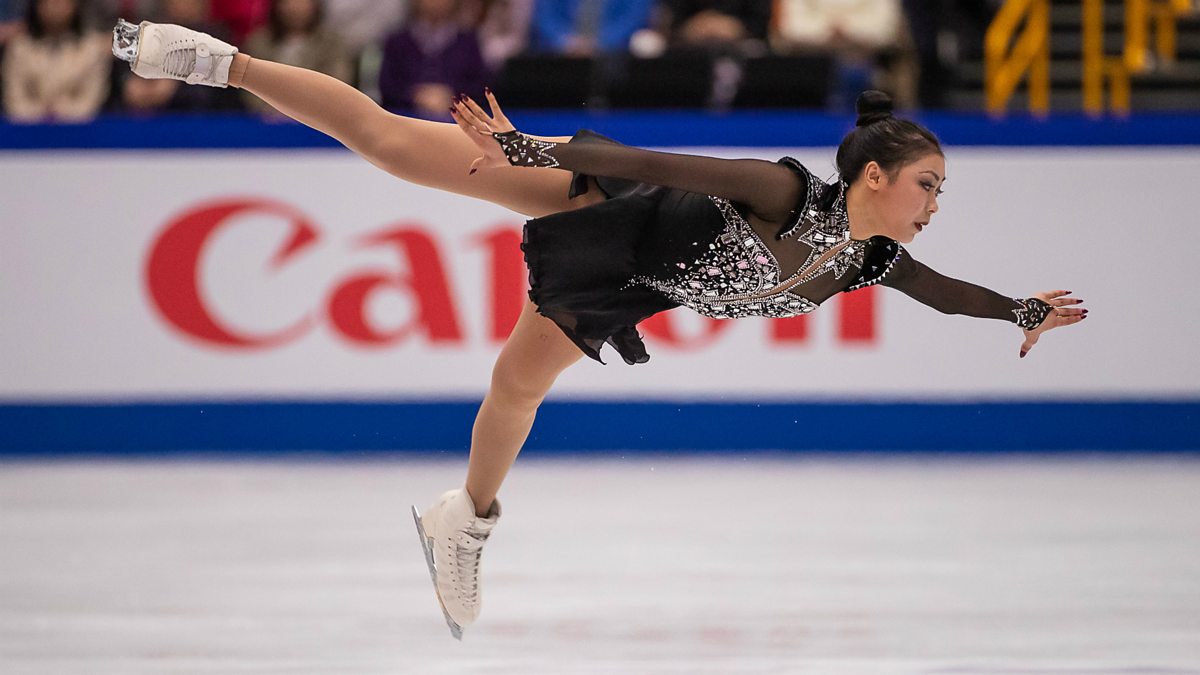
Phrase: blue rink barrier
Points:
(661, 129)
(599, 428)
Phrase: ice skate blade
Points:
(125, 40)
(455, 629)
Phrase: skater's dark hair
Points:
(37, 29)
(278, 30)
(890, 141)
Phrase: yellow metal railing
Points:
(1138, 16)
(1030, 53)
(1004, 67)
(1098, 66)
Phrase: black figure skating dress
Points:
(600, 270)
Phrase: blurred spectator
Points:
(296, 35)
(868, 38)
(141, 96)
(362, 23)
(502, 28)
(431, 59)
(945, 32)
(588, 27)
(242, 17)
(195, 14)
(11, 12)
(106, 12)
(55, 69)
(715, 24)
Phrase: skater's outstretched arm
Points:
(1035, 315)
(769, 189)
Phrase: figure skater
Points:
(616, 235)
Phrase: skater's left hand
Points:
(479, 127)
(1061, 315)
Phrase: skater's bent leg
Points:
(532, 358)
(434, 154)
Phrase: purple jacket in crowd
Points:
(421, 53)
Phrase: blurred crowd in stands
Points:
(413, 55)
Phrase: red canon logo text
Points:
(173, 278)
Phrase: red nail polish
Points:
(1022, 354)
(487, 90)
(472, 172)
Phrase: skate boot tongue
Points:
(467, 553)
(469, 545)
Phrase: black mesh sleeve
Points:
(768, 189)
(952, 296)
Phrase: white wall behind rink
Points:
(1117, 226)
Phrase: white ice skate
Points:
(452, 537)
(163, 50)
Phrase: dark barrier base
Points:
(596, 428)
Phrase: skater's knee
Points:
(514, 387)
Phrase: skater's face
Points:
(906, 199)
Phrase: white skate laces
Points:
(466, 548)
(452, 537)
(167, 51)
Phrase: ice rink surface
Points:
(623, 565)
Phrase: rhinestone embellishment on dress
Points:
(733, 278)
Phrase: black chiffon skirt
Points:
(581, 262)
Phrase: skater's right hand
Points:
(1059, 316)
(479, 127)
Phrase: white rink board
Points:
(1113, 224)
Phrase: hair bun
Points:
(872, 106)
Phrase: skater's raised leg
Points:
(434, 154)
